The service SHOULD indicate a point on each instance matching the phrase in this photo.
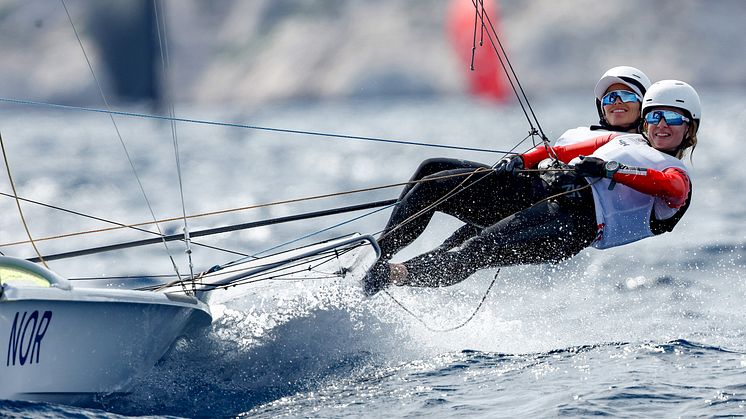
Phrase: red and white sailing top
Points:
(659, 184)
(578, 134)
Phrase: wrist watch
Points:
(611, 167)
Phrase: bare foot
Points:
(398, 275)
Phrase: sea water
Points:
(655, 328)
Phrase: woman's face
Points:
(619, 113)
(666, 137)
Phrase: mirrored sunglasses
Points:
(624, 95)
(671, 117)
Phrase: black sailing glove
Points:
(509, 164)
(591, 167)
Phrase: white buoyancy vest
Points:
(623, 214)
(578, 134)
(572, 136)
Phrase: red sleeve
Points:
(671, 184)
(566, 153)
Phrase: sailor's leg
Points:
(543, 233)
(431, 166)
(464, 233)
(452, 195)
(479, 198)
(416, 207)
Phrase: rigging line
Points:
(505, 70)
(550, 151)
(418, 214)
(283, 276)
(211, 273)
(226, 268)
(212, 231)
(450, 194)
(449, 329)
(481, 29)
(96, 278)
(486, 16)
(319, 259)
(211, 213)
(246, 126)
(311, 263)
(160, 20)
(308, 265)
(474, 38)
(326, 229)
(119, 135)
(455, 191)
(93, 217)
(18, 203)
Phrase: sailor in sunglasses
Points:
(619, 95)
(629, 187)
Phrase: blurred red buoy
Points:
(488, 79)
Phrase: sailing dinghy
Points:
(65, 343)
(68, 344)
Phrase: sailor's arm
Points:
(672, 184)
(565, 153)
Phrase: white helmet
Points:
(629, 76)
(673, 93)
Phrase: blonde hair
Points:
(689, 143)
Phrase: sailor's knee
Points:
(428, 167)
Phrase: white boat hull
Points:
(68, 345)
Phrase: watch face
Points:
(612, 165)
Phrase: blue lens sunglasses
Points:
(624, 95)
(671, 117)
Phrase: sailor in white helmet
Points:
(630, 187)
(619, 95)
(675, 96)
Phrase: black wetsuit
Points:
(506, 223)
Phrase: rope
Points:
(511, 74)
(449, 329)
(324, 230)
(465, 322)
(166, 64)
(484, 18)
(207, 232)
(318, 259)
(450, 194)
(135, 226)
(251, 127)
(18, 203)
(98, 219)
(119, 134)
(453, 192)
